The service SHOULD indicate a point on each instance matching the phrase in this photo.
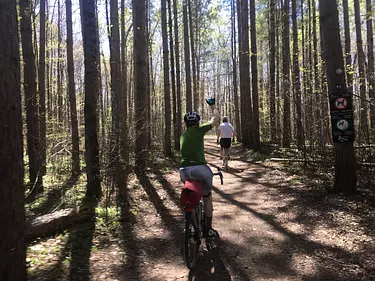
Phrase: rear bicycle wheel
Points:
(191, 241)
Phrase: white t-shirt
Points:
(226, 130)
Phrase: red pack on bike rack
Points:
(191, 193)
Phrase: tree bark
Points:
(92, 90)
(272, 65)
(363, 127)
(42, 86)
(348, 56)
(286, 76)
(32, 122)
(117, 170)
(141, 91)
(345, 162)
(370, 58)
(167, 94)
(72, 90)
(296, 78)
(55, 222)
(178, 77)
(189, 101)
(12, 248)
(254, 76)
(173, 75)
(235, 75)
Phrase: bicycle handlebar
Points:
(219, 174)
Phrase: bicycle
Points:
(195, 225)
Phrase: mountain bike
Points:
(195, 227)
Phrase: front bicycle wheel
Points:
(191, 241)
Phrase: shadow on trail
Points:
(334, 262)
(210, 267)
(53, 196)
(130, 244)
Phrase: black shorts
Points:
(225, 142)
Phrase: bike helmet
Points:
(192, 118)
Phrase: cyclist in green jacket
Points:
(193, 162)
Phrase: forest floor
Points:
(272, 226)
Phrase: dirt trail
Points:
(272, 227)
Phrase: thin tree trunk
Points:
(42, 86)
(33, 146)
(363, 131)
(178, 77)
(173, 76)
(254, 76)
(348, 56)
(124, 72)
(167, 94)
(13, 248)
(141, 92)
(189, 102)
(370, 57)
(72, 91)
(286, 76)
(92, 90)
(272, 63)
(195, 94)
(116, 93)
(296, 77)
(234, 65)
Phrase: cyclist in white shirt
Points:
(225, 132)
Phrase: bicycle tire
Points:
(191, 241)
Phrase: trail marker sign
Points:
(341, 106)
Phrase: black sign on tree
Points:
(341, 105)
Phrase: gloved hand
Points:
(210, 101)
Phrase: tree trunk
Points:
(116, 95)
(13, 249)
(72, 90)
(370, 57)
(272, 64)
(345, 162)
(52, 223)
(173, 75)
(178, 77)
(363, 127)
(234, 65)
(246, 110)
(33, 145)
(141, 92)
(92, 90)
(167, 94)
(42, 86)
(286, 76)
(195, 94)
(189, 101)
(296, 77)
(348, 56)
(254, 77)
(124, 139)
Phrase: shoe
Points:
(212, 233)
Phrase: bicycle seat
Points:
(191, 193)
